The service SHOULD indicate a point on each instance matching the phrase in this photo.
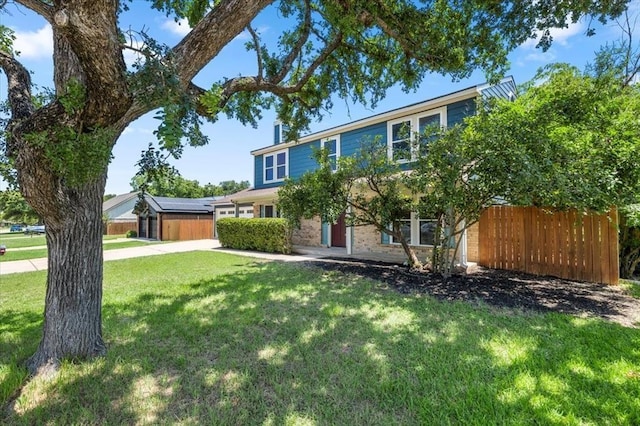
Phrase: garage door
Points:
(225, 212)
(245, 211)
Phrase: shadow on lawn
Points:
(281, 344)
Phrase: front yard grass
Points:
(21, 240)
(12, 255)
(212, 338)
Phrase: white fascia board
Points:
(441, 101)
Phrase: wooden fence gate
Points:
(567, 244)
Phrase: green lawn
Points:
(211, 338)
(21, 240)
(12, 255)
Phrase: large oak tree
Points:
(354, 49)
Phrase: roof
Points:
(505, 88)
(180, 205)
(249, 195)
(118, 200)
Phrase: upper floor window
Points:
(403, 146)
(400, 140)
(428, 126)
(275, 166)
(332, 145)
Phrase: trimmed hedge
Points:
(271, 235)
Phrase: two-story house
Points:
(282, 159)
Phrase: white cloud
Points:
(539, 56)
(560, 36)
(130, 130)
(180, 28)
(34, 44)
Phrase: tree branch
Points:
(19, 87)
(256, 42)
(287, 63)
(223, 22)
(41, 8)
(255, 84)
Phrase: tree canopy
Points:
(14, 208)
(174, 185)
(60, 145)
(572, 136)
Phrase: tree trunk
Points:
(72, 316)
(414, 262)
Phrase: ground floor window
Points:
(417, 231)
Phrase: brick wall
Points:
(309, 233)
(367, 240)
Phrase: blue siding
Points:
(456, 112)
(351, 141)
(301, 159)
(300, 156)
(257, 171)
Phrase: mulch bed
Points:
(503, 289)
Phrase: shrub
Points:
(131, 234)
(629, 242)
(271, 235)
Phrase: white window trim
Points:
(414, 121)
(390, 140)
(337, 139)
(415, 231)
(275, 166)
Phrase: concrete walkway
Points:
(150, 249)
(301, 254)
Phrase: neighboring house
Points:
(118, 213)
(175, 219)
(274, 163)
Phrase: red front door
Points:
(339, 233)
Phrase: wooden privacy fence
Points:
(116, 228)
(187, 228)
(567, 244)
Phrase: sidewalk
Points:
(116, 254)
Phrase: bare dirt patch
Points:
(503, 289)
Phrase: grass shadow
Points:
(243, 343)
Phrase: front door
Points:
(339, 233)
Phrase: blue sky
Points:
(227, 156)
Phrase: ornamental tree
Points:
(454, 180)
(368, 187)
(353, 49)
